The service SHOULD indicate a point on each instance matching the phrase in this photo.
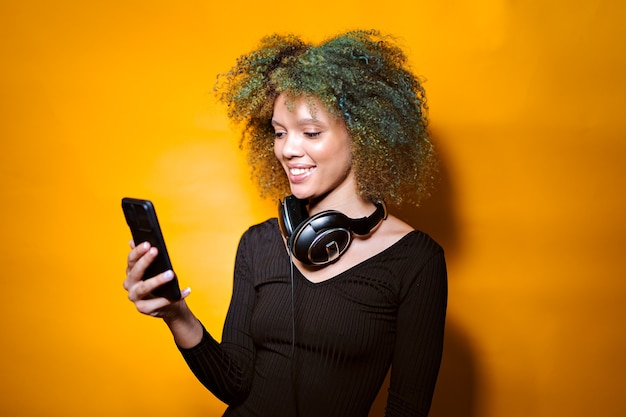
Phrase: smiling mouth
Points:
(300, 171)
(297, 175)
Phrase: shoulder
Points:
(396, 234)
(415, 266)
(262, 255)
(412, 250)
(264, 231)
(261, 235)
(267, 229)
(415, 248)
(417, 240)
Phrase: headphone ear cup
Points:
(291, 213)
(324, 237)
(321, 239)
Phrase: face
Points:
(313, 147)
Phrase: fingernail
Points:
(146, 245)
(184, 293)
(168, 275)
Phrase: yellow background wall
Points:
(105, 99)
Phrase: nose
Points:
(290, 146)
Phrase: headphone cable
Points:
(293, 335)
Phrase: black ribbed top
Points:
(386, 311)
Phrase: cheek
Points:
(277, 149)
(344, 151)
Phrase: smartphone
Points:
(144, 227)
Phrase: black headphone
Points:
(322, 238)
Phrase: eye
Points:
(279, 135)
(312, 135)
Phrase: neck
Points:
(352, 206)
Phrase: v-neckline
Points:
(337, 276)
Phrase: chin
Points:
(308, 195)
(300, 195)
(303, 193)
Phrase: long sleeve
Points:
(226, 368)
(419, 342)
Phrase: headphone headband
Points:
(322, 238)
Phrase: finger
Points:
(137, 252)
(138, 260)
(137, 266)
(162, 307)
(142, 290)
(152, 307)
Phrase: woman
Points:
(334, 292)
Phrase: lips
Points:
(299, 174)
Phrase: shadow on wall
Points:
(457, 384)
(455, 393)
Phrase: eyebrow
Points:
(307, 121)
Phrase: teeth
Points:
(299, 171)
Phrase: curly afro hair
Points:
(361, 77)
